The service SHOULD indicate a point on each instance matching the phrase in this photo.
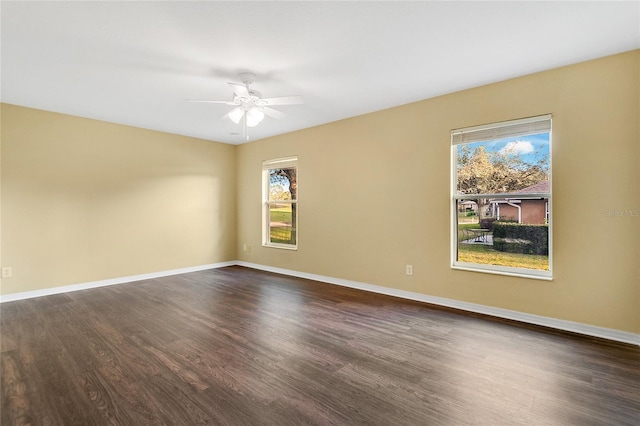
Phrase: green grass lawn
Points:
(487, 255)
(281, 234)
(280, 215)
(461, 236)
(463, 218)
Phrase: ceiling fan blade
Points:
(283, 100)
(212, 102)
(240, 90)
(273, 113)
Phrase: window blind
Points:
(506, 129)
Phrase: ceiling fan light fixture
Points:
(236, 114)
(254, 117)
(249, 107)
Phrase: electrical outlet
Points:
(246, 248)
(409, 269)
(6, 272)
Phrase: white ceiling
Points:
(135, 63)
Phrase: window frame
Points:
(267, 166)
(497, 131)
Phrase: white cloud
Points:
(517, 147)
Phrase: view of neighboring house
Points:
(523, 210)
(468, 206)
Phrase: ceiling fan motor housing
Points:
(251, 101)
(247, 77)
(250, 105)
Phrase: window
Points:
(280, 203)
(501, 198)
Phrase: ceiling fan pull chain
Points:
(245, 128)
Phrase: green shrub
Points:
(521, 238)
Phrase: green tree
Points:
(482, 172)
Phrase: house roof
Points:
(136, 63)
(540, 187)
(537, 188)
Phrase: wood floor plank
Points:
(236, 346)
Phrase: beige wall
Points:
(374, 195)
(84, 200)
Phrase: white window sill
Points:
(280, 246)
(512, 272)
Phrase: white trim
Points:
(534, 274)
(486, 133)
(280, 163)
(589, 330)
(574, 327)
(281, 246)
(267, 165)
(102, 283)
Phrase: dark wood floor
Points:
(235, 346)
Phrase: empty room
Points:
(320, 213)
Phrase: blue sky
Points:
(530, 148)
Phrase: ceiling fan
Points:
(250, 106)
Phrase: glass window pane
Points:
(283, 184)
(503, 166)
(282, 223)
(502, 196)
(508, 233)
(280, 188)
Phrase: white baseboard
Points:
(589, 330)
(113, 281)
